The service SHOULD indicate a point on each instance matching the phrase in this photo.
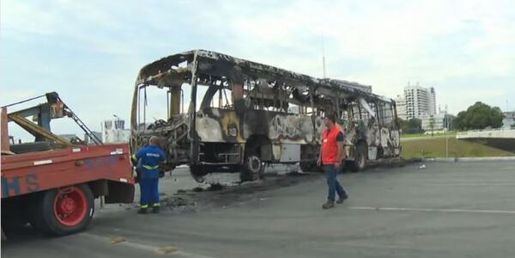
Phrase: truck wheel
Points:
(360, 159)
(64, 211)
(253, 169)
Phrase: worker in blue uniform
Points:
(148, 159)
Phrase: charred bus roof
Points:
(178, 68)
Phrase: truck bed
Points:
(38, 171)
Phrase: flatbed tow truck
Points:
(52, 183)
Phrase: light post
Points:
(445, 119)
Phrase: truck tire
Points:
(63, 211)
(360, 160)
(253, 169)
(35, 218)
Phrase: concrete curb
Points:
(471, 159)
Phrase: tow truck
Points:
(52, 182)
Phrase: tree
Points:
(411, 126)
(432, 124)
(459, 122)
(479, 116)
(449, 122)
(415, 125)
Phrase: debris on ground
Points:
(166, 250)
(173, 202)
(215, 187)
(117, 240)
(297, 173)
(181, 191)
(198, 189)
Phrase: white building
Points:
(432, 101)
(508, 121)
(400, 103)
(88, 139)
(438, 122)
(113, 131)
(419, 101)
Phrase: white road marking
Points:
(506, 212)
(144, 247)
(394, 247)
(473, 184)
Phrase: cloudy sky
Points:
(90, 51)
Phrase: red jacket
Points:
(330, 145)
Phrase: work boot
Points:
(328, 205)
(155, 209)
(342, 199)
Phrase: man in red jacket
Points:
(331, 156)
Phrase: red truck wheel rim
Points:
(70, 206)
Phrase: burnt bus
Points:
(218, 113)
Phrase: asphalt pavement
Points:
(433, 209)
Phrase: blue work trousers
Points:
(149, 187)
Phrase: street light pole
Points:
(446, 135)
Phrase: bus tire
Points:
(253, 169)
(63, 211)
(199, 172)
(306, 166)
(310, 167)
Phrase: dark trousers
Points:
(149, 187)
(333, 184)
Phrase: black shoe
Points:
(142, 211)
(328, 205)
(342, 199)
(155, 209)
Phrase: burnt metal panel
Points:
(290, 153)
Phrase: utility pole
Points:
(446, 120)
(323, 58)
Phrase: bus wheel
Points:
(199, 172)
(307, 166)
(63, 211)
(360, 159)
(310, 167)
(253, 169)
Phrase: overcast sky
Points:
(90, 51)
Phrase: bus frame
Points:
(253, 114)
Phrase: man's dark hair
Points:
(331, 116)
